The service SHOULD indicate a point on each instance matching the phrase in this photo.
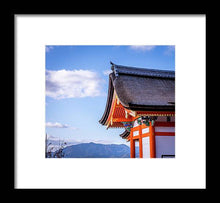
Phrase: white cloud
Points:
(51, 137)
(56, 125)
(59, 125)
(142, 47)
(63, 84)
(107, 72)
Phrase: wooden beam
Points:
(140, 142)
(164, 134)
(156, 113)
(152, 141)
(107, 126)
(126, 114)
(112, 109)
(133, 113)
(164, 124)
(132, 146)
(130, 112)
(117, 100)
(121, 120)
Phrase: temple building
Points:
(142, 101)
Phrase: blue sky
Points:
(77, 86)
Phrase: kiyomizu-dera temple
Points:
(142, 101)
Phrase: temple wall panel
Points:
(135, 133)
(136, 144)
(164, 129)
(165, 145)
(145, 130)
(146, 147)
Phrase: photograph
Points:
(110, 101)
(98, 96)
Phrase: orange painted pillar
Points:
(152, 141)
(132, 147)
(140, 141)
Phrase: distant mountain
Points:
(93, 150)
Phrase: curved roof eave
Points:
(109, 101)
(140, 89)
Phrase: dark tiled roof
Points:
(141, 89)
(126, 70)
(138, 87)
(125, 134)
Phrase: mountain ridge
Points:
(96, 150)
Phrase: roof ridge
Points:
(128, 70)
